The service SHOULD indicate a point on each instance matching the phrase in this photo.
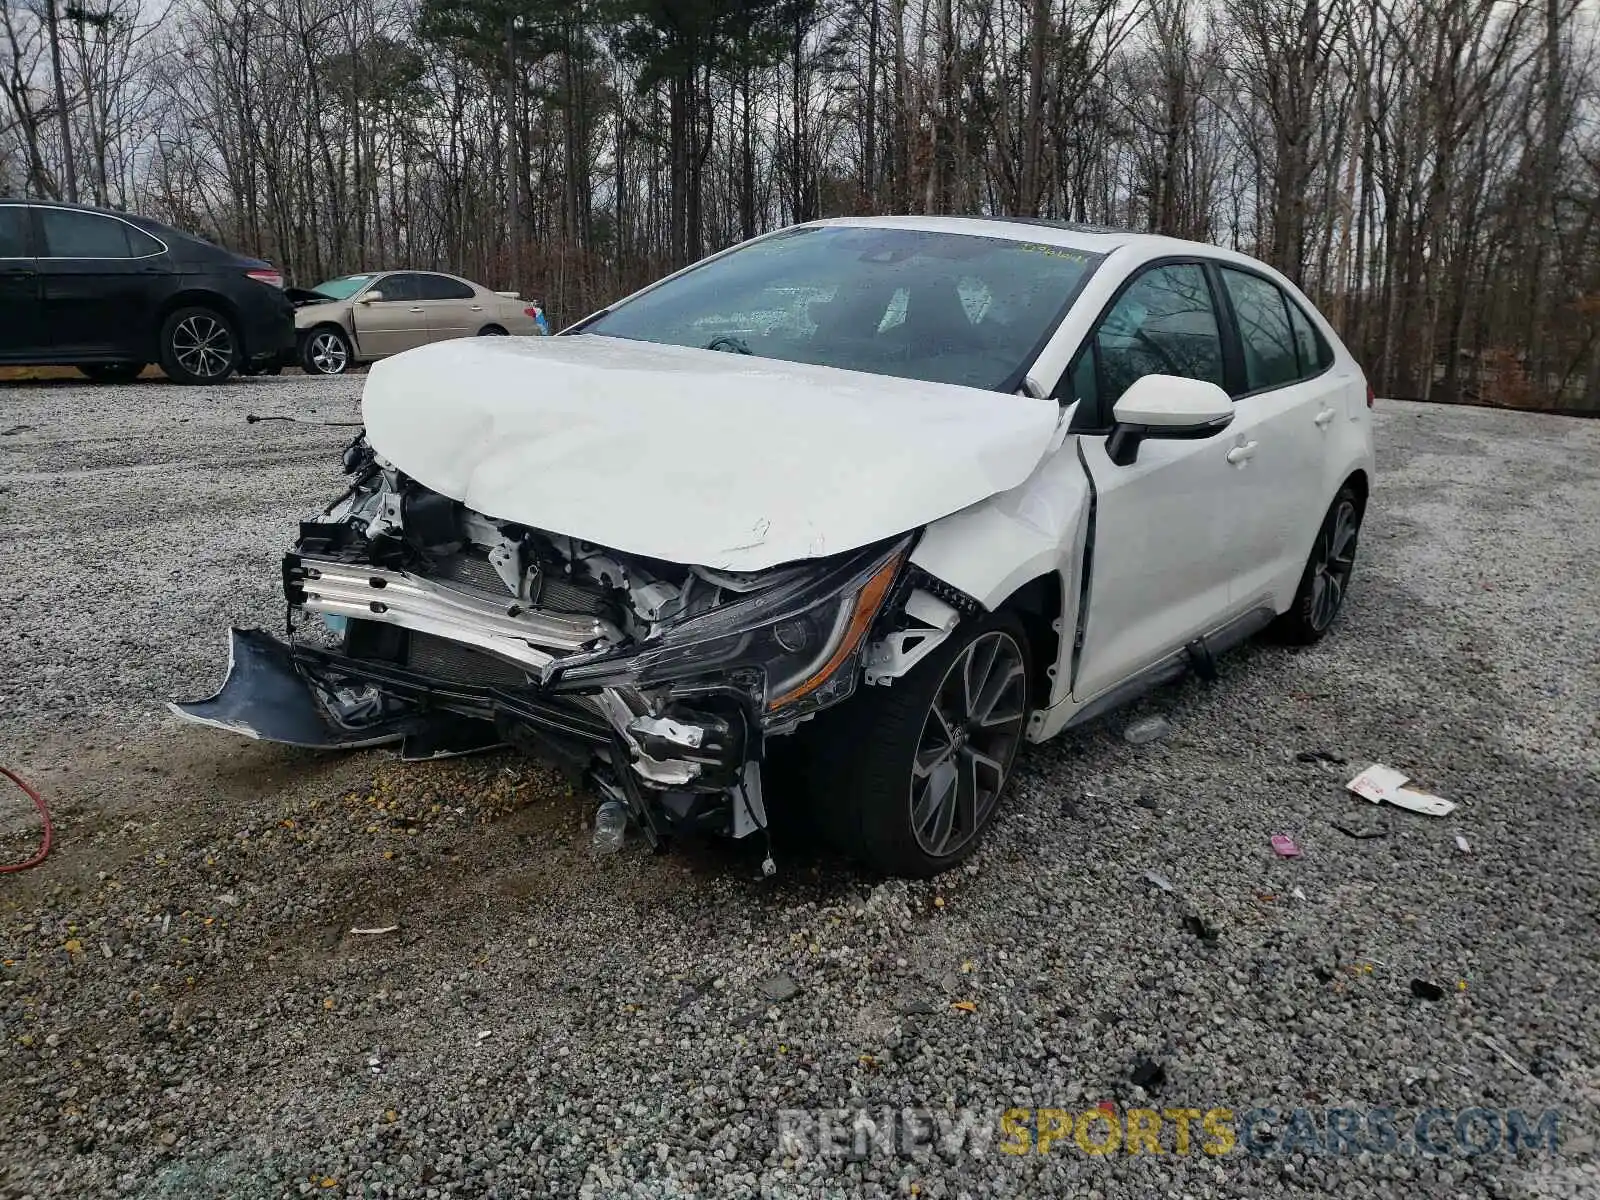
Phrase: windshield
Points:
(345, 286)
(943, 307)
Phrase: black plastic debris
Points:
(1325, 756)
(1360, 832)
(1201, 929)
(1069, 807)
(1423, 990)
(1146, 800)
(1148, 1074)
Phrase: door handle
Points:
(416, 309)
(1324, 418)
(477, 308)
(1242, 454)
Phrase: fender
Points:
(991, 549)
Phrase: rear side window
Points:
(1262, 310)
(141, 244)
(69, 234)
(441, 287)
(1312, 349)
(14, 232)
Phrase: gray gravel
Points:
(185, 1012)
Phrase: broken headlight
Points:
(794, 645)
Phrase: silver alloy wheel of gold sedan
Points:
(326, 353)
(969, 741)
(203, 346)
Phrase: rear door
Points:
(1159, 574)
(396, 322)
(21, 332)
(1285, 400)
(100, 279)
(452, 307)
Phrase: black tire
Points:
(492, 331)
(111, 372)
(882, 761)
(198, 345)
(326, 350)
(1326, 578)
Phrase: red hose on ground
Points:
(44, 815)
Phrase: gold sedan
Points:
(358, 318)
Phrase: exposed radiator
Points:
(457, 663)
(472, 570)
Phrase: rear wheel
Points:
(325, 351)
(1327, 575)
(912, 774)
(198, 345)
(492, 331)
(111, 372)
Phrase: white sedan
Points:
(913, 490)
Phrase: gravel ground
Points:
(186, 1012)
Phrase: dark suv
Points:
(108, 293)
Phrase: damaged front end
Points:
(413, 619)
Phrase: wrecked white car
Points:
(911, 490)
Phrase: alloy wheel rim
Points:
(1336, 556)
(203, 346)
(327, 354)
(968, 742)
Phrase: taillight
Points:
(270, 278)
(532, 311)
(1371, 396)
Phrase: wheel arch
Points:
(1358, 480)
(1041, 603)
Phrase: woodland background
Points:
(1427, 170)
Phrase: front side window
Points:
(400, 286)
(14, 232)
(442, 287)
(1164, 324)
(70, 234)
(941, 307)
(1267, 340)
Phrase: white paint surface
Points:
(694, 456)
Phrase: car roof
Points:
(1094, 239)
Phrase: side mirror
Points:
(369, 297)
(1166, 406)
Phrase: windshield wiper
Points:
(728, 344)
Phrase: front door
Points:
(394, 323)
(99, 279)
(1158, 572)
(20, 331)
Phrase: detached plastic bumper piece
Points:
(267, 697)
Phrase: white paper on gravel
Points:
(1385, 785)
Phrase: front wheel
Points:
(325, 351)
(112, 372)
(492, 331)
(198, 345)
(912, 774)
(1326, 578)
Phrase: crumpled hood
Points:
(694, 456)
